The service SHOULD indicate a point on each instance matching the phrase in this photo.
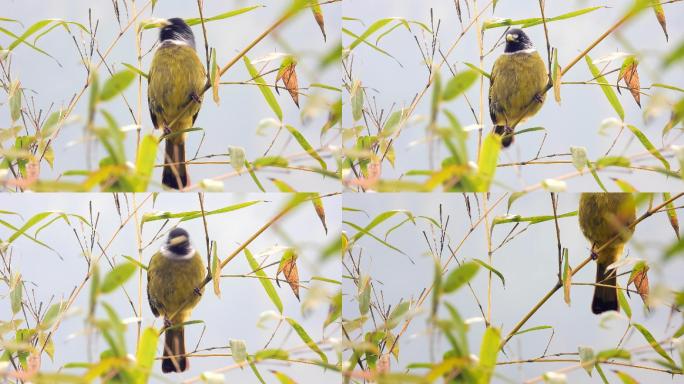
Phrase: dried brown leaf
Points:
(630, 75)
(288, 266)
(639, 277)
(288, 74)
(660, 15)
(320, 211)
(318, 15)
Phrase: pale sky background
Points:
(234, 316)
(575, 123)
(233, 123)
(529, 265)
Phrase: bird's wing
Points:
(153, 303)
(151, 104)
(492, 113)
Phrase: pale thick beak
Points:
(511, 37)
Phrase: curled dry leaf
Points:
(660, 15)
(289, 76)
(320, 211)
(639, 277)
(288, 266)
(318, 15)
(628, 73)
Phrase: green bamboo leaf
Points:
(14, 100)
(357, 100)
(532, 329)
(136, 262)
(147, 350)
(116, 84)
(50, 316)
(270, 161)
(274, 354)
(306, 146)
(530, 22)
(252, 174)
(191, 215)
(238, 349)
(529, 219)
(306, 338)
(478, 69)
(460, 276)
(117, 276)
(489, 267)
(625, 378)
(265, 90)
(652, 341)
(489, 349)
(222, 16)
(587, 359)
(606, 88)
(35, 219)
(667, 86)
(649, 146)
(397, 314)
(368, 43)
(364, 231)
(136, 70)
(16, 294)
(489, 157)
(265, 282)
(459, 84)
(364, 295)
(370, 31)
(37, 26)
(144, 162)
(624, 304)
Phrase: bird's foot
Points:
(195, 97)
(167, 323)
(167, 131)
(594, 255)
(198, 292)
(539, 98)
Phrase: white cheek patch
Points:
(527, 51)
(175, 42)
(176, 256)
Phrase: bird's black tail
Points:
(175, 173)
(506, 133)
(605, 298)
(174, 351)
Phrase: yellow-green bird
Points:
(175, 279)
(517, 85)
(603, 216)
(174, 94)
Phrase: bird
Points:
(602, 216)
(175, 283)
(176, 83)
(517, 85)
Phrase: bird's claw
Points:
(195, 97)
(198, 292)
(539, 98)
(594, 255)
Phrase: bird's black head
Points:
(176, 29)
(178, 241)
(517, 40)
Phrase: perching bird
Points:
(174, 287)
(603, 216)
(517, 85)
(176, 83)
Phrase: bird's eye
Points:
(515, 36)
